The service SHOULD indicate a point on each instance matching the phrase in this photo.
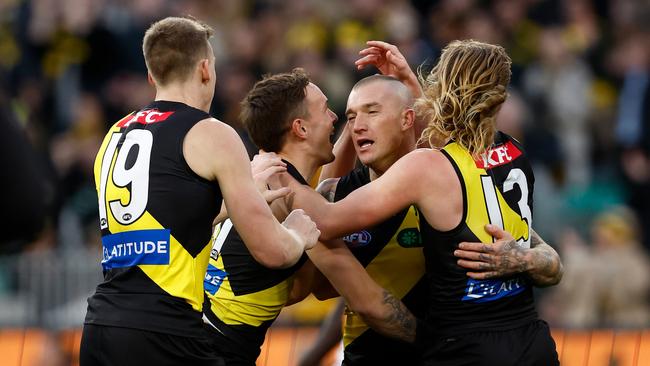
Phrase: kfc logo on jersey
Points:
(146, 117)
(499, 155)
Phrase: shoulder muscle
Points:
(211, 144)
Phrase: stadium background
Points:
(580, 103)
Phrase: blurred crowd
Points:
(580, 103)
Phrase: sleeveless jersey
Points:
(392, 254)
(497, 189)
(243, 297)
(156, 217)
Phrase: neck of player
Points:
(184, 93)
(379, 167)
(305, 165)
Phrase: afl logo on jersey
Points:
(359, 239)
(126, 217)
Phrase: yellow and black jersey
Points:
(497, 189)
(243, 297)
(392, 254)
(155, 216)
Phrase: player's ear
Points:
(408, 119)
(298, 128)
(204, 66)
(151, 80)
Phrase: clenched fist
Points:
(301, 226)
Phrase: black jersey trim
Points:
(179, 107)
(293, 171)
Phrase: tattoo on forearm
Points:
(540, 262)
(513, 259)
(535, 239)
(548, 268)
(400, 322)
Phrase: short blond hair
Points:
(463, 94)
(172, 46)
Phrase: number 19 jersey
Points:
(156, 217)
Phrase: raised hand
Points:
(388, 59)
(302, 227)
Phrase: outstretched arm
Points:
(376, 306)
(271, 243)
(427, 174)
(505, 257)
(263, 167)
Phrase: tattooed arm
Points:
(546, 267)
(376, 306)
(393, 318)
(540, 262)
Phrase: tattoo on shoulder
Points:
(327, 188)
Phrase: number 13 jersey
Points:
(497, 189)
(156, 218)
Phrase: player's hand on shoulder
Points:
(264, 160)
(301, 225)
(265, 167)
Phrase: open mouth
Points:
(333, 137)
(364, 143)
